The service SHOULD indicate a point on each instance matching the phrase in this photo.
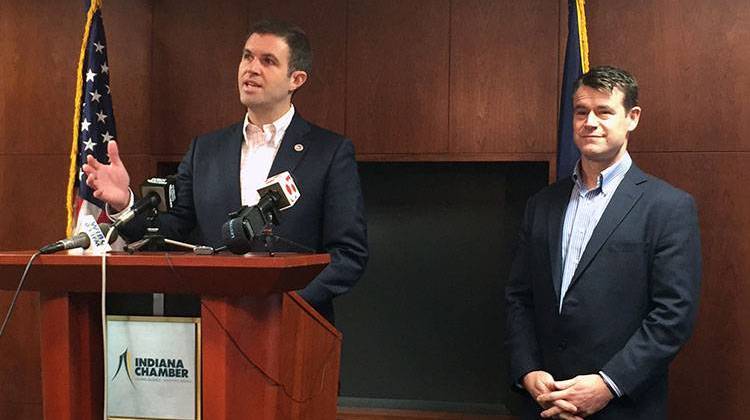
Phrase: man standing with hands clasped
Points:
(222, 170)
(604, 286)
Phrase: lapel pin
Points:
(298, 147)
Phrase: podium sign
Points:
(153, 368)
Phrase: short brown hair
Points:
(300, 53)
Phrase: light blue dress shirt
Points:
(585, 208)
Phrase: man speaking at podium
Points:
(222, 170)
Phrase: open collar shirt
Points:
(259, 150)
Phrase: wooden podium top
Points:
(159, 272)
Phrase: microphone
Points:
(165, 188)
(82, 239)
(279, 193)
(283, 185)
(150, 201)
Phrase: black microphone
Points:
(80, 240)
(250, 222)
(150, 201)
(165, 187)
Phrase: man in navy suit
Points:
(222, 170)
(604, 286)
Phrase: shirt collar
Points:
(277, 127)
(607, 179)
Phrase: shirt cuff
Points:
(114, 216)
(611, 385)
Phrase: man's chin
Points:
(250, 101)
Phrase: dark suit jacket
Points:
(632, 301)
(328, 217)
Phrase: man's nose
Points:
(591, 119)
(253, 65)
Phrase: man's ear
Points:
(634, 115)
(297, 79)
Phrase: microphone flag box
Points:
(165, 188)
(283, 185)
(99, 245)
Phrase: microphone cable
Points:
(104, 322)
(18, 291)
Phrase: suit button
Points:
(562, 346)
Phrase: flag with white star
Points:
(94, 121)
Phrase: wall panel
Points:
(197, 46)
(691, 59)
(504, 76)
(35, 210)
(397, 76)
(39, 46)
(321, 99)
(128, 28)
(708, 377)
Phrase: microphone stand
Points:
(269, 238)
(153, 240)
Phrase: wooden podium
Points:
(266, 353)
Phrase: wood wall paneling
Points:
(6, 62)
(33, 187)
(692, 64)
(197, 46)
(397, 76)
(709, 376)
(36, 211)
(426, 78)
(39, 42)
(321, 99)
(128, 28)
(504, 76)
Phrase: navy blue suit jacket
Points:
(632, 301)
(328, 217)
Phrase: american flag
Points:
(94, 120)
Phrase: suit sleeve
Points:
(675, 288)
(521, 342)
(344, 230)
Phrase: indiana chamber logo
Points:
(150, 368)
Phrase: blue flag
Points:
(576, 63)
(94, 119)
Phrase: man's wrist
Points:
(125, 204)
(114, 213)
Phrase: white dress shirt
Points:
(258, 152)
